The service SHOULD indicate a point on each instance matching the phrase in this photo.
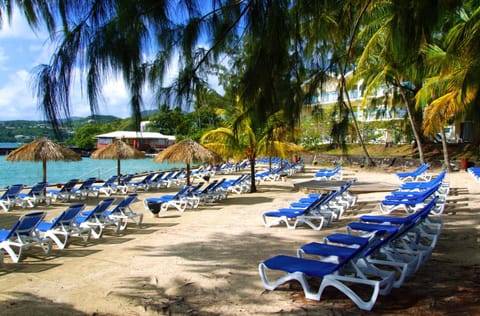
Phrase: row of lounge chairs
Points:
(379, 252)
(32, 230)
(191, 196)
(14, 196)
(329, 174)
(316, 210)
(414, 195)
(275, 174)
(419, 174)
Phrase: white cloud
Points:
(16, 100)
(115, 98)
(3, 59)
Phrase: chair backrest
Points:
(148, 177)
(110, 181)
(12, 192)
(100, 207)
(87, 183)
(169, 175)
(70, 213)
(37, 188)
(193, 188)
(157, 176)
(240, 179)
(67, 187)
(181, 192)
(218, 184)
(321, 199)
(421, 169)
(330, 196)
(126, 178)
(210, 186)
(29, 222)
(130, 198)
(124, 203)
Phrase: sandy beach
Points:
(205, 261)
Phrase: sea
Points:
(29, 173)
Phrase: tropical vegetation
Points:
(269, 56)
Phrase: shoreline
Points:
(204, 261)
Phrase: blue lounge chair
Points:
(172, 178)
(335, 274)
(329, 174)
(163, 181)
(292, 217)
(106, 188)
(411, 201)
(329, 208)
(84, 190)
(122, 212)
(179, 200)
(23, 236)
(419, 174)
(155, 180)
(239, 185)
(36, 195)
(10, 197)
(379, 259)
(212, 192)
(65, 192)
(122, 185)
(93, 218)
(61, 228)
(143, 183)
(424, 185)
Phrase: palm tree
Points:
(334, 38)
(240, 139)
(236, 144)
(452, 90)
(139, 40)
(394, 34)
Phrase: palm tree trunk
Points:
(370, 162)
(412, 123)
(253, 186)
(446, 158)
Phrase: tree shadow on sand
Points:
(29, 304)
(445, 285)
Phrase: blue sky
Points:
(21, 50)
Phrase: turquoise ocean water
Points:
(28, 173)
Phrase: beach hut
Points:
(188, 152)
(43, 149)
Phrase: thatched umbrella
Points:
(43, 149)
(117, 150)
(188, 151)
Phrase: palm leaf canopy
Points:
(188, 151)
(43, 149)
(117, 150)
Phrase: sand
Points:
(205, 261)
